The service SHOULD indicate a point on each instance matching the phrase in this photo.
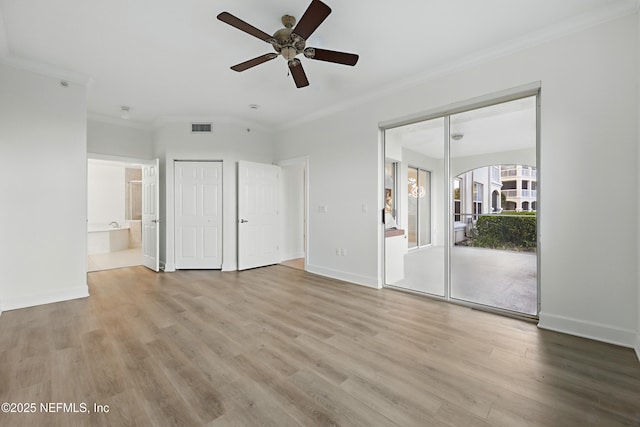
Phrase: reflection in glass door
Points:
(415, 250)
(419, 205)
(469, 208)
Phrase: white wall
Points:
(4, 43)
(589, 135)
(106, 190)
(228, 142)
(119, 140)
(343, 177)
(292, 211)
(525, 156)
(43, 182)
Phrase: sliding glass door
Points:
(466, 223)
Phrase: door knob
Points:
(242, 221)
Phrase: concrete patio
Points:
(496, 278)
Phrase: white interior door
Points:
(150, 213)
(258, 214)
(198, 215)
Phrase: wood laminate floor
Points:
(280, 347)
(294, 263)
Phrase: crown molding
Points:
(164, 120)
(117, 121)
(46, 70)
(569, 26)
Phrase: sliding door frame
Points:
(529, 90)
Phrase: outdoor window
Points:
(495, 174)
(478, 195)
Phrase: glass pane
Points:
(390, 195)
(412, 207)
(424, 207)
(493, 252)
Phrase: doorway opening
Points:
(463, 226)
(293, 205)
(114, 214)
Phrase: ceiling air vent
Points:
(200, 127)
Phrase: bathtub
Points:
(103, 238)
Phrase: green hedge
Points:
(526, 213)
(506, 232)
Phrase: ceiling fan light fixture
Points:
(310, 52)
(288, 52)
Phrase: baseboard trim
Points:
(370, 282)
(637, 347)
(591, 330)
(229, 266)
(45, 298)
(292, 255)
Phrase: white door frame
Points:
(532, 89)
(304, 160)
(118, 159)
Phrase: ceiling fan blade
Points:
(331, 56)
(298, 74)
(315, 14)
(228, 18)
(253, 62)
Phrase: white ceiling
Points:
(170, 59)
(497, 128)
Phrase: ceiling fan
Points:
(290, 41)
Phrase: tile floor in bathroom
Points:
(111, 260)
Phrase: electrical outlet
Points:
(338, 251)
(344, 252)
(365, 208)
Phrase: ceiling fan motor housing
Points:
(288, 44)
